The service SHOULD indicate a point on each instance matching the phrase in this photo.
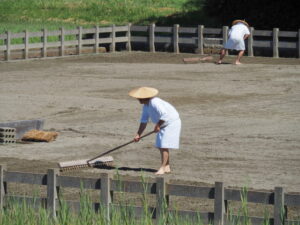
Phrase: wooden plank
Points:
(191, 191)
(53, 44)
(263, 33)
(219, 204)
(188, 30)
(8, 45)
(160, 39)
(299, 43)
(164, 29)
(176, 38)
(71, 32)
(152, 37)
(133, 186)
(32, 201)
(71, 43)
(2, 48)
(3, 36)
(35, 45)
(250, 42)
(96, 36)
(105, 29)
(45, 41)
(139, 39)
(53, 32)
(137, 211)
(200, 42)
(51, 191)
(128, 35)
(121, 39)
(212, 31)
(275, 43)
(292, 200)
(26, 43)
(112, 46)
(121, 28)
(139, 28)
(161, 198)
(279, 214)
(291, 34)
(75, 206)
(62, 41)
(88, 31)
(186, 40)
(17, 35)
(265, 44)
(79, 39)
(238, 219)
(2, 186)
(285, 44)
(35, 34)
(17, 47)
(106, 195)
(105, 40)
(78, 182)
(252, 196)
(26, 178)
(204, 217)
(88, 41)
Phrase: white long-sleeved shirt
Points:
(158, 109)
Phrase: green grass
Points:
(17, 15)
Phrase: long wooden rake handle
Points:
(116, 148)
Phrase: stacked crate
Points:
(7, 135)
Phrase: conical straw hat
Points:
(240, 21)
(143, 92)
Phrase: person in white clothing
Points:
(238, 33)
(167, 123)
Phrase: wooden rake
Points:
(97, 161)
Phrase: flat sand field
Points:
(240, 124)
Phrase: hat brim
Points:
(143, 92)
(240, 21)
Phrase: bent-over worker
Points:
(238, 33)
(166, 120)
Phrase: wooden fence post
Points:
(112, 47)
(79, 36)
(96, 39)
(225, 36)
(8, 39)
(62, 41)
(299, 43)
(128, 34)
(250, 42)
(45, 37)
(106, 195)
(176, 38)
(26, 43)
(2, 186)
(52, 191)
(275, 42)
(219, 204)
(280, 211)
(152, 37)
(200, 39)
(162, 200)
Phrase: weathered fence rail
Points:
(161, 188)
(88, 40)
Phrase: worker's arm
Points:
(158, 125)
(140, 131)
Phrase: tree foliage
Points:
(260, 14)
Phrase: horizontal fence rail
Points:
(79, 41)
(160, 188)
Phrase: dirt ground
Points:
(240, 123)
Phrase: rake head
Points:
(83, 163)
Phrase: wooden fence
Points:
(161, 188)
(80, 41)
